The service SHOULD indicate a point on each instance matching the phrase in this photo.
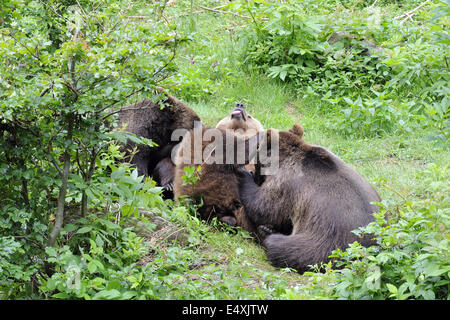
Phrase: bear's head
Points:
(282, 139)
(269, 149)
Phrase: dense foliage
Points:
(356, 61)
(64, 69)
(367, 78)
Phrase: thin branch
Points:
(170, 60)
(101, 3)
(200, 11)
(50, 87)
(409, 14)
(37, 135)
(142, 88)
(59, 217)
(121, 13)
(398, 193)
(72, 74)
(25, 47)
(71, 89)
(117, 101)
(81, 8)
(77, 158)
(223, 12)
(54, 10)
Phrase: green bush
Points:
(66, 68)
(327, 55)
(370, 116)
(291, 44)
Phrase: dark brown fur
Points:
(147, 119)
(217, 186)
(313, 201)
(164, 173)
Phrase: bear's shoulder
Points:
(316, 157)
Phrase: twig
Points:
(142, 88)
(373, 4)
(34, 55)
(81, 8)
(117, 101)
(398, 193)
(121, 13)
(54, 11)
(101, 3)
(214, 286)
(224, 12)
(409, 14)
(72, 74)
(407, 18)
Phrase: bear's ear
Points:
(297, 130)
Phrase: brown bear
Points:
(147, 119)
(217, 185)
(308, 205)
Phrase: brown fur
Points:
(313, 201)
(147, 119)
(164, 173)
(217, 186)
(244, 126)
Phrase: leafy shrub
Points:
(65, 71)
(369, 116)
(292, 44)
(337, 55)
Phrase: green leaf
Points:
(84, 230)
(61, 295)
(51, 251)
(92, 266)
(107, 295)
(392, 289)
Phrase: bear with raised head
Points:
(308, 206)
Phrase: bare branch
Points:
(409, 14)
(223, 12)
